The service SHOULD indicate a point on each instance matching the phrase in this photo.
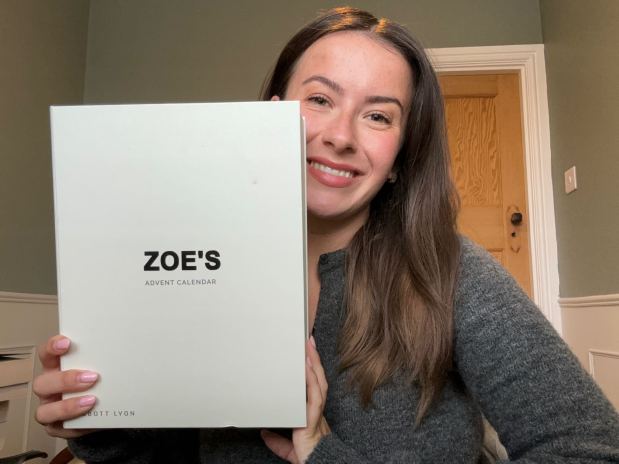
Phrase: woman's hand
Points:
(304, 440)
(52, 383)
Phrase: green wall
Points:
(582, 63)
(42, 62)
(162, 50)
(157, 50)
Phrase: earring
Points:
(392, 177)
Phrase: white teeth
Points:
(328, 170)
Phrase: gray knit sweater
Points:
(510, 365)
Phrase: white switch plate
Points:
(570, 180)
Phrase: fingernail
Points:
(62, 344)
(88, 377)
(87, 400)
(313, 341)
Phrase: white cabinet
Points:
(16, 373)
(25, 322)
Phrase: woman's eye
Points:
(379, 117)
(318, 99)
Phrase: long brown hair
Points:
(402, 264)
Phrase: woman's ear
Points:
(275, 98)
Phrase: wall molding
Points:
(611, 300)
(600, 354)
(603, 372)
(528, 62)
(10, 297)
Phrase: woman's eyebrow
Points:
(339, 90)
(382, 99)
(328, 82)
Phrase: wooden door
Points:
(485, 139)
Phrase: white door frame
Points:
(528, 61)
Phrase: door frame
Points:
(528, 62)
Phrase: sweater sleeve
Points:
(332, 450)
(532, 389)
(137, 446)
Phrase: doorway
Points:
(484, 129)
(527, 61)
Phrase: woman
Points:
(416, 331)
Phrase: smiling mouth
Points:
(333, 172)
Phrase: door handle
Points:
(516, 219)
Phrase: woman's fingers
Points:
(59, 411)
(50, 352)
(54, 382)
(57, 430)
(305, 439)
(316, 385)
(323, 427)
(317, 366)
(280, 446)
(315, 399)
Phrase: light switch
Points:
(570, 180)
(4, 410)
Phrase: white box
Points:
(219, 190)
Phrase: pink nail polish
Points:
(62, 344)
(88, 377)
(85, 401)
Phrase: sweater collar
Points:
(332, 260)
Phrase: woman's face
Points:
(355, 94)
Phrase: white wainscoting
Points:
(591, 328)
(26, 320)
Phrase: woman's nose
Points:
(339, 133)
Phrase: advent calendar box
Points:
(180, 245)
